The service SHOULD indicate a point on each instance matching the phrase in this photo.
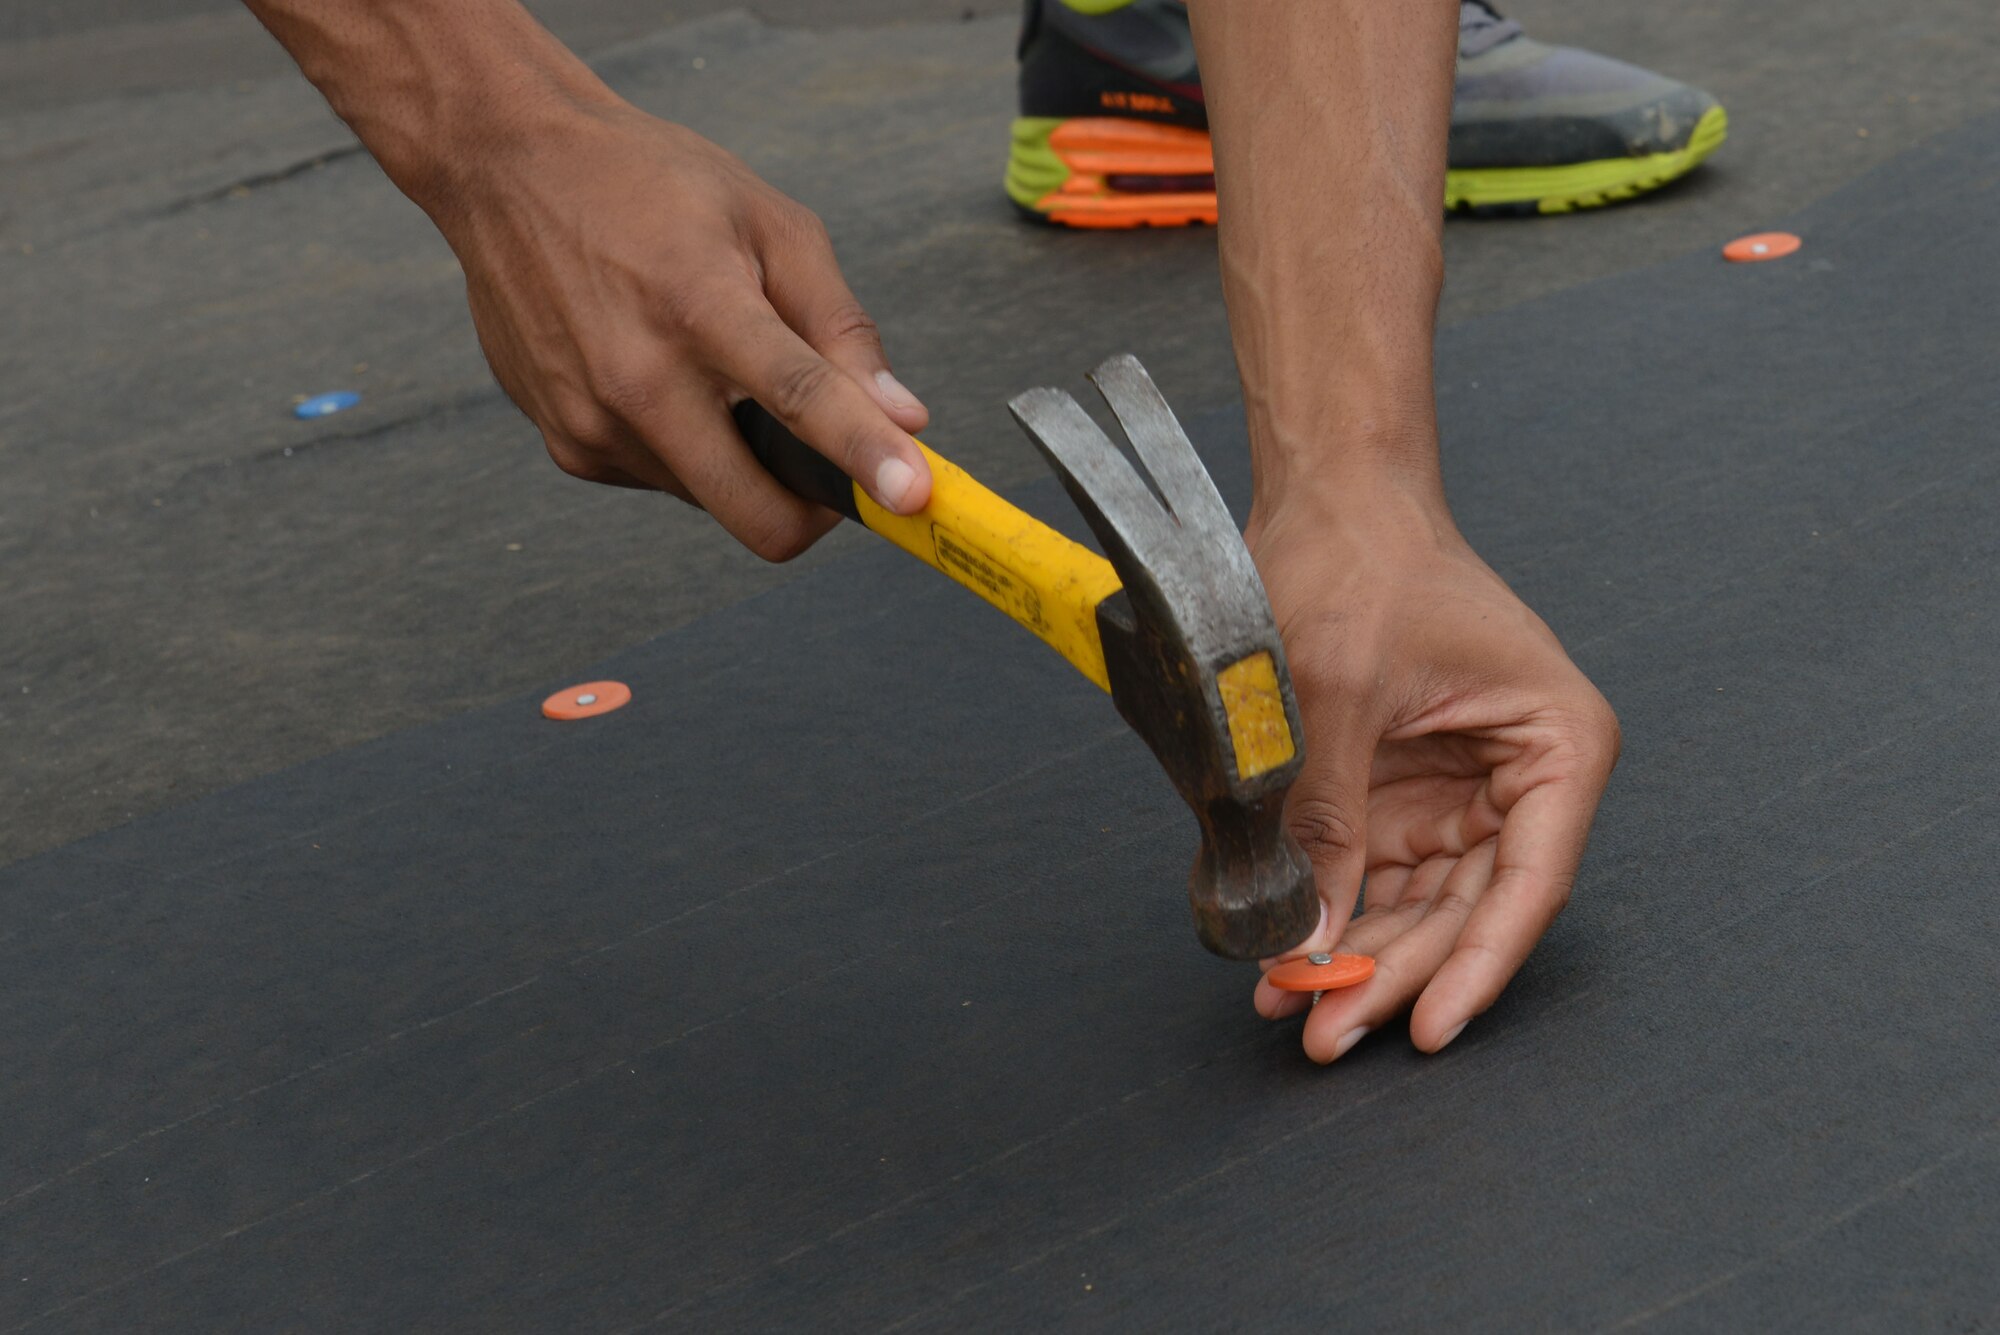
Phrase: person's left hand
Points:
(1454, 755)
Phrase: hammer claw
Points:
(1136, 532)
(1162, 446)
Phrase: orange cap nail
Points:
(1761, 246)
(1321, 972)
(593, 697)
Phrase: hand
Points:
(1454, 755)
(630, 281)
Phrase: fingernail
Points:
(893, 481)
(1348, 1040)
(892, 390)
(1445, 1042)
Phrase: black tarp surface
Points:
(843, 980)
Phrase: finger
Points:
(824, 407)
(1327, 812)
(805, 287)
(1402, 966)
(1422, 817)
(1397, 897)
(623, 463)
(1539, 850)
(1274, 1003)
(717, 471)
(1389, 915)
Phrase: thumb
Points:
(1327, 812)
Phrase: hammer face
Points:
(1193, 654)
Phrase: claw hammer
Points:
(1175, 625)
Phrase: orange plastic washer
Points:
(587, 700)
(1302, 975)
(1761, 246)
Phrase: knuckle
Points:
(692, 304)
(1452, 902)
(572, 457)
(777, 539)
(590, 430)
(1488, 959)
(793, 222)
(676, 301)
(1596, 736)
(1613, 733)
(624, 390)
(570, 411)
(1323, 829)
(799, 387)
(849, 323)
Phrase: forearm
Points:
(1330, 123)
(435, 88)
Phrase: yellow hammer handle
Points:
(1014, 561)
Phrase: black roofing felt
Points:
(843, 980)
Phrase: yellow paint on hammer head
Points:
(1256, 710)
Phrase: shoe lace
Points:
(1481, 27)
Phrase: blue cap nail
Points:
(325, 405)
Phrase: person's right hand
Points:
(631, 281)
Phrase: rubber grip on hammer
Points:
(804, 470)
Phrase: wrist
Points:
(1364, 475)
(477, 163)
(443, 93)
(1372, 515)
(1342, 420)
(492, 109)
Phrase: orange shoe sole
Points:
(1100, 172)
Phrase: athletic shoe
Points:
(1548, 129)
(1113, 131)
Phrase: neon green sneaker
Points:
(1113, 130)
(1547, 129)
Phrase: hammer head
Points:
(1193, 653)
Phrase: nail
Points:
(1349, 1039)
(892, 390)
(1445, 1042)
(893, 480)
